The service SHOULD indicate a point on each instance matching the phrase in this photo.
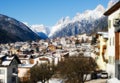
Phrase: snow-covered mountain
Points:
(41, 30)
(88, 22)
(60, 25)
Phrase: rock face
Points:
(12, 30)
(88, 22)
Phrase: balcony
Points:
(104, 46)
(116, 24)
(14, 74)
(98, 46)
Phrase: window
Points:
(2, 71)
(111, 59)
(1, 81)
(116, 22)
(14, 70)
(110, 41)
(113, 41)
(109, 23)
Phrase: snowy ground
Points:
(113, 80)
(54, 80)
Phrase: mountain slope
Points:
(88, 22)
(12, 30)
(42, 35)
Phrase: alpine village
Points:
(26, 57)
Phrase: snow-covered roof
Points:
(104, 34)
(6, 60)
(10, 58)
(26, 65)
(1, 55)
(6, 63)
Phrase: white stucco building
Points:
(9, 69)
(113, 14)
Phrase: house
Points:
(101, 57)
(28, 61)
(24, 72)
(63, 41)
(51, 47)
(59, 46)
(9, 69)
(113, 14)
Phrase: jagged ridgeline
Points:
(89, 22)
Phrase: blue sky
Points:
(46, 12)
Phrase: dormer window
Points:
(116, 24)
